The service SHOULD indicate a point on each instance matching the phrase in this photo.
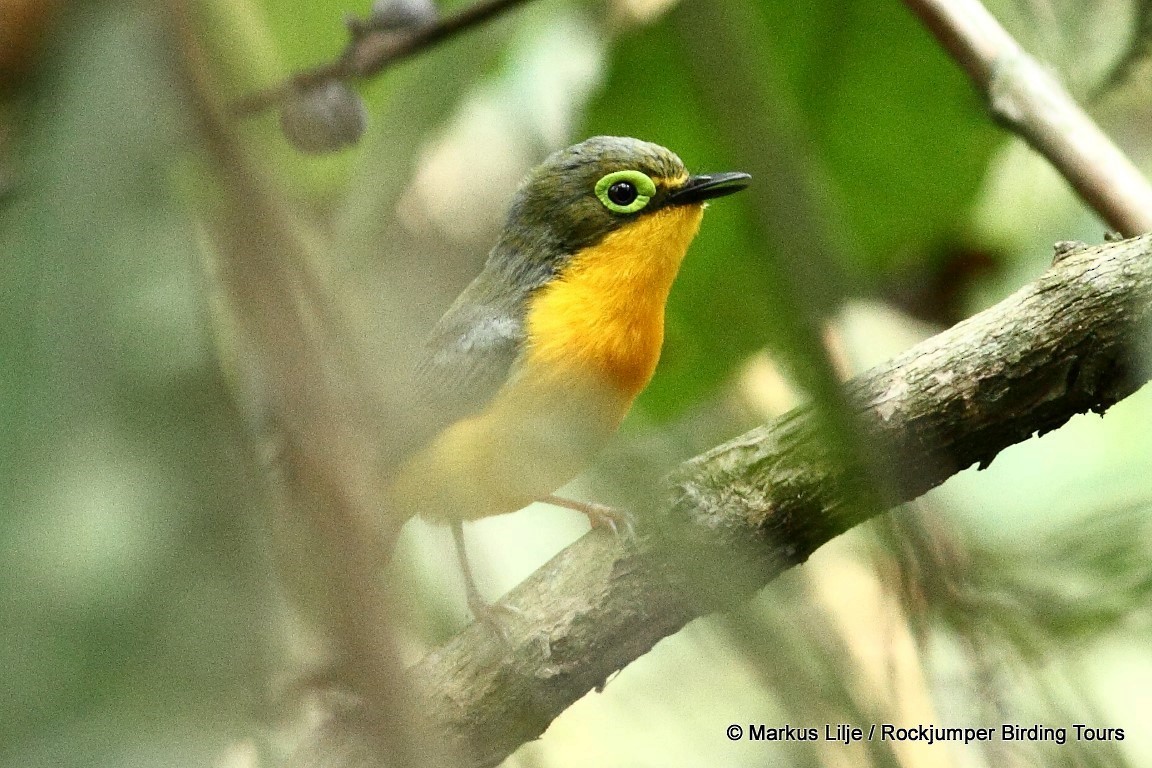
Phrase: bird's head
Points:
(580, 195)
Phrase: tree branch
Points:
(370, 52)
(765, 501)
(1029, 100)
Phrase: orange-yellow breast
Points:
(604, 315)
(594, 338)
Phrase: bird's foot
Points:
(498, 617)
(600, 515)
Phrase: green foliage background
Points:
(142, 618)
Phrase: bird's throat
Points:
(603, 317)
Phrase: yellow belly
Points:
(530, 441)
(594, 338)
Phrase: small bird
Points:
(535, 365)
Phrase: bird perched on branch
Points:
(535, 365)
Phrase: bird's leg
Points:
(476, 603)
(481, 609)
(599, 515)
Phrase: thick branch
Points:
(765, 501)
(370, 52)
(1029, 100)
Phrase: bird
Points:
(532, 369)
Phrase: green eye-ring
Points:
(625, 191)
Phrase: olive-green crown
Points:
(556, 212)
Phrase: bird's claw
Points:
(497, 617)
(599, 515)
(616, 520)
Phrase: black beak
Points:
(705, 187)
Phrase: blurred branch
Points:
(370, 51)
(765, 501)
(1137, 49)
(311, 406)
(1029, 100)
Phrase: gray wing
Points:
(476, 346)
(470, 354)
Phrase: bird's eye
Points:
(625, 191)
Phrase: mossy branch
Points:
(762, 503)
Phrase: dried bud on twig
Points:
(323, 118)
(403, 14)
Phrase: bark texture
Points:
(740, 514)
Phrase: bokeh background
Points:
(143, 615)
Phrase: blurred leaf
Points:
(715, 316)
(128, 592)
(900, 138)
(898, 127)
(1076, 583)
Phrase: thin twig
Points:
(369, 52)
(1029, 100)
